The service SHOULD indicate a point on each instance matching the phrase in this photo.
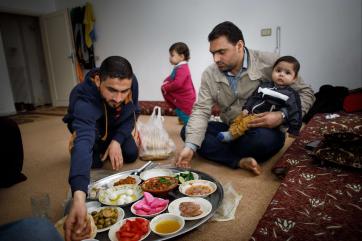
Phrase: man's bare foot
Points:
(250, 164)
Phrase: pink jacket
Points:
(180, 92)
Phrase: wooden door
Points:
(59, 55)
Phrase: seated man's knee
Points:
(266, 139)
(131, 154)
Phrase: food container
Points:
(167, 224)
(156, 172)
(159, 186)
(104, 215)
(197, 188)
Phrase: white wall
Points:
(325, 35)
(7, 106)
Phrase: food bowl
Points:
(120, 195)
(126, 180)
(105, 217)
(149, 206)
(159, 186)
(92, 204)
(156, 172)
(186, 176)
(167, 224)
(133, 229)
(202, 209)
(197, 188)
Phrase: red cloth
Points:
(315, 202)
(180, 92)
(353, 102)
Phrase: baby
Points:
(276, 95)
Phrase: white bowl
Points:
(194, 174)
(207, 185)
(164, 217)
(120, 195)
(156, 172)
(113, 230)
(134, 211)
(120, 217)
(137, 179)
(93, 204)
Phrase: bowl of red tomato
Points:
(159, 186)
(132, 228)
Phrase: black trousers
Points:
(129, 151)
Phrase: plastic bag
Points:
(226, 210)
(155, 141)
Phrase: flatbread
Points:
(59, 226)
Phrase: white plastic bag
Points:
(229, 204)
(155, 141)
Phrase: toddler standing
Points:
(178, 89)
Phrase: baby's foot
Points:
(250, 164)
(224, 136)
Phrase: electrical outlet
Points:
(265, 32)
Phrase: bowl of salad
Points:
(186, 176)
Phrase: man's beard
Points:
(224, 67)
(112, 104)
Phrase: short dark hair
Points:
(115, 67)
(291, 60)
(180, 48)
(227, 29)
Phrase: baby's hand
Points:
(245, 112)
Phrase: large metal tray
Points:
(215, 199)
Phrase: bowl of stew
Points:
(159, 186)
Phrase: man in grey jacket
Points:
(228, 82)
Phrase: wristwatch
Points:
(283, 115)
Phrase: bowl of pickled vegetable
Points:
(105, 217)
(159, 186)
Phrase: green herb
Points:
(164, 181)
(185, 176)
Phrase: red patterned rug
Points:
(315, 202)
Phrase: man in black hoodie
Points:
(101, 116)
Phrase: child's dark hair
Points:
(229, 30)
(291, 60)
(180, 48)
(115, 67)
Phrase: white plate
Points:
(112, 231)
(186, 185)
(120, 216)
(133, 210)
(120, 195)
(138, 180)
(205, 206)
(194, 174)
(156, 172)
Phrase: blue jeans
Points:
(29, 229)
(259, 143)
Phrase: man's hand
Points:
(267, 120)
(114, 152)
(184, 159)
(76, 226)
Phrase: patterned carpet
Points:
(315, 202)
